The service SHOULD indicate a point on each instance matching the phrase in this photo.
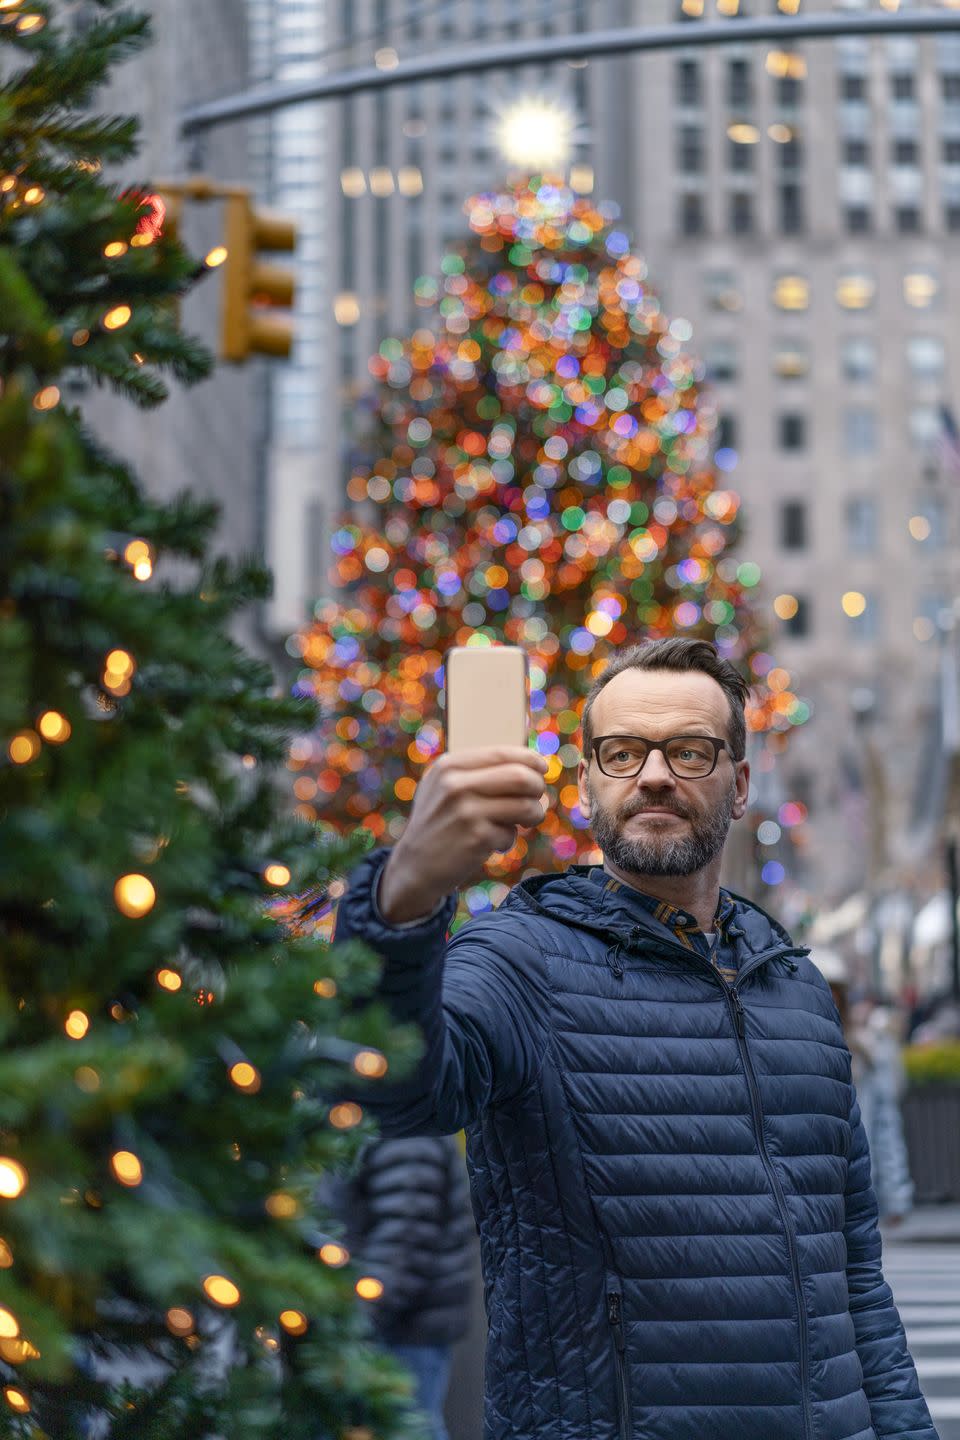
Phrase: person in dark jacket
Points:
(407, 1212)
(679, 1236)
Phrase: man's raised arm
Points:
(474, 999)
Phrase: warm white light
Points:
(346, 308)
(410, 180)
(742, 133)
(353, 182)
(581, 179)
(381, 181)
(536, 134)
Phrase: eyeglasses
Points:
(689, 757)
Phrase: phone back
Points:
(486, 696)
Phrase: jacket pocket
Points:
(615, 1320)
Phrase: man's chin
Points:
(650, 861)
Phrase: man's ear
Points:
(583, 792)
(743, 790)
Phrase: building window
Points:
(791, 359)
(902, 85)
(690, 149)
(689, 82)
(791, 292)
(857, 219)
(861, 517)
(907, 218)
(790, 154)
(856, 152)
(859, 430)
(791, 209)
(787, 91)
(727, 432)
(906, 152)
(691, 214)
(920, 289)
(739, 86)
(792, 431)
(950, 85)
(928, 523)
(853, 87)
(926, 426)
(798, 625)
(951, 217)
(793, 525)
(859, 358)
(739, 157)
(855, 290)
(721, 291)
(865, 627)
(951, 150)
(721, 361)
(741, 213)
(925, 357)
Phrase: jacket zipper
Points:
(735, 1005)
(615, 1319)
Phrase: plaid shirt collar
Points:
(680, 923)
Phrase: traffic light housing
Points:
(252, 287)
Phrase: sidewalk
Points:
(937, 1224)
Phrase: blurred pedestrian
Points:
(678, 1231)
(409, 1224)
(870, 1030)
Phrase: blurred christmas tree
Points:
(542, 473)
(166, 1050)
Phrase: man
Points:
(407, 1219)
(668, 1167)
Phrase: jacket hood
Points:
(574, 898)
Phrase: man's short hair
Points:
(681, 654)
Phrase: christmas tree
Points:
(172, 1058)
(539, 471)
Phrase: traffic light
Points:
(252, 287)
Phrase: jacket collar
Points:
(616, 915)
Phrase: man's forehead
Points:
(667, 699)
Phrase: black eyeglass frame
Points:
(661, 745)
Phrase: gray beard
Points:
(666, 854)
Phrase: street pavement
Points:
(924, 1274)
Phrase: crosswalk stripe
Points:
(925, 1280)
(935, 1335)
(930, 1365)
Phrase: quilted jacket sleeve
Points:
(897, 1408)
(474, 999)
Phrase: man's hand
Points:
(468, 805)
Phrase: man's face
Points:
(655, 823)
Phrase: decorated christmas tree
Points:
(540, 471)
(172, 1057)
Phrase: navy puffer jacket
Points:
(408, 1222)
(669, 1174)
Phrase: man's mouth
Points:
(652, 810)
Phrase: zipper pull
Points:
(614, 961)
(614, 1316)
(738, 1013)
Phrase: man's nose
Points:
(657, 772)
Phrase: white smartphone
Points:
(486, 698)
